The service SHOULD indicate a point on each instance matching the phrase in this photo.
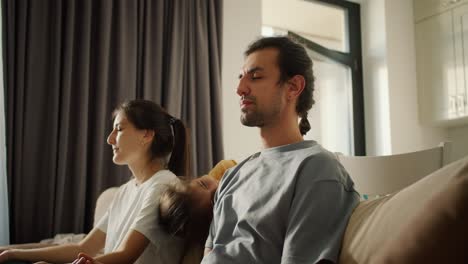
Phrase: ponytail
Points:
(304, 125)
(178, 161)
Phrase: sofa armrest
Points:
(103, 202)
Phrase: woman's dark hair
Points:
(169, 132)
(292, 60)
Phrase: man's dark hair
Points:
(292, 60)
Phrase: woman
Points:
(143, 136)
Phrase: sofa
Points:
(426, 222)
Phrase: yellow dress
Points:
(218, 171)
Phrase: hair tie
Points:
(172, 120)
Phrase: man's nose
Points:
(242, 88)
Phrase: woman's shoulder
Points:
(163, 177)
(160, 180)
(126, 185)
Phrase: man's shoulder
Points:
(315, 154)
(324, 166)
(321, 156)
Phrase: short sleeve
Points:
(146, 222)
(209, 239)
(211, 233)
(319, 213)
(102, 224)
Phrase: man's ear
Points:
(295, 86)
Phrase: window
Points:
(330, 31)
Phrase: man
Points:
(290, 202)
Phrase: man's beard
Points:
(259, 118)
(256, 117)
(252, 119)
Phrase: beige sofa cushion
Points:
(103, 202)
(438, 233)
(375, 223)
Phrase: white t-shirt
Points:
(136, 207)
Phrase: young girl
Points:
(186, 210)
(143, 136)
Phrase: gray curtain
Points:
(67, 65)
(4, 217)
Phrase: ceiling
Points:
(307, 18)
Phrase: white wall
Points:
(321, 23)
(407, 132)
(375, 78)
(241, 25)
(390, 88)
(4, 226)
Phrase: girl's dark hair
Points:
(292, 60)
(179, 217)
(175, 209)
(169, 132)
(178, 214)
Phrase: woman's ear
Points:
(148, 135)
(295, 86)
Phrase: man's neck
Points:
(281, 134)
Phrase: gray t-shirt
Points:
(288, 204)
